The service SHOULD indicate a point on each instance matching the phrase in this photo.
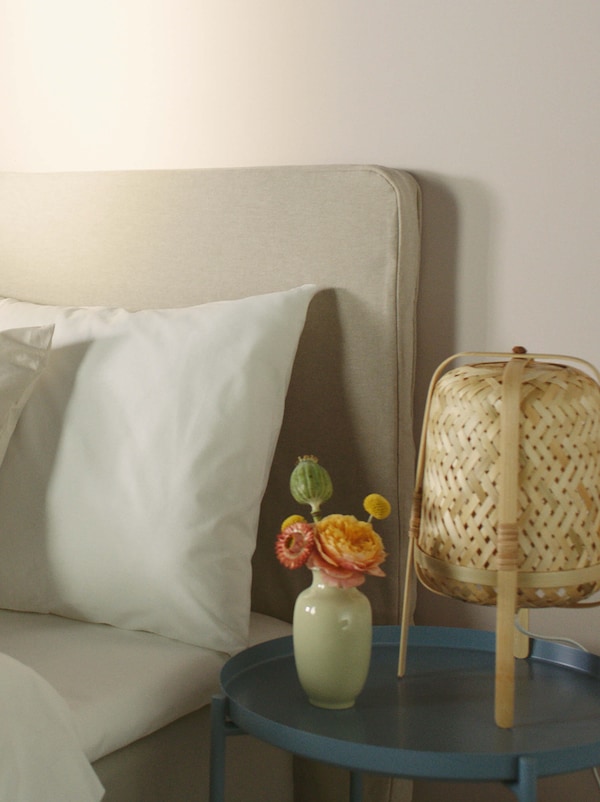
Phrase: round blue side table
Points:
(437, 722)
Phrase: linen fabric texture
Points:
(131, 489)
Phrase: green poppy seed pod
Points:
(310, 484)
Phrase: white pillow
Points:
(131, 489)
(22, 358)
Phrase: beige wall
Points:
(493, 104)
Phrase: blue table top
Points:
(438, 720)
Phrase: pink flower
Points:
(294, 545)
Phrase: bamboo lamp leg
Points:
(508, 542)
(521, 646)
(406, 609)
(505, 660)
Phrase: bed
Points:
(171, 342)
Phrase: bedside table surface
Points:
(437, 721)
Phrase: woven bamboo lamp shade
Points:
(507, 499)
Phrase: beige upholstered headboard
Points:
(174, 238)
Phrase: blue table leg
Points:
(356, 786)
(216, 792)
(525, 788)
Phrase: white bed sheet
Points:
(41, 757)
(119, 685)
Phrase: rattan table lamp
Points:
(506, 509)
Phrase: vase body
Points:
(332, 634)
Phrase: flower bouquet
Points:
(342, 547)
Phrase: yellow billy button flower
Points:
(292, 519)
(377, 506)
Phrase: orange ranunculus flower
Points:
(343, 542)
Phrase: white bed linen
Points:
(119, 685)
(41, 757)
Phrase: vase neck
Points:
(317, 577)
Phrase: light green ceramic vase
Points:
(333, 635)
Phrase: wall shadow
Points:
(436, 307)
(457, 256)
(453, 312)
